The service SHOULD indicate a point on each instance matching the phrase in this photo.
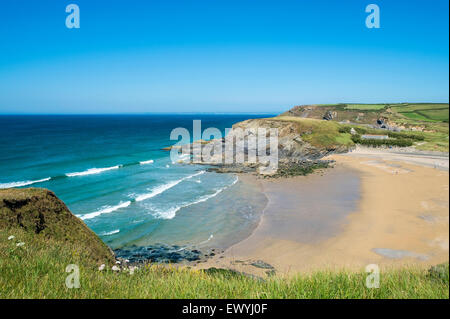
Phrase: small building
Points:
(374, 137)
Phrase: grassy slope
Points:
(432, 117)
(37, 270)
(330, 134)
(41, 213)
(324, 134)
(365, 107)
(423, 112)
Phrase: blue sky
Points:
(219, 55)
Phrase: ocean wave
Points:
(172, 212)
(162, 188)
(106, 210)
(23, 183)
(109, 233)
(92, 171)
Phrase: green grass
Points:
(425, 112)
(365, 107)
(319, 133)
(415, 116)
(432, 118)
(39, 211)
(434, 141)
(37, 270)
(440, 115)
(344, 138)
(417, 107)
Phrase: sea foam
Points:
(172, 212)
(23, 183)
(109, 233)
(162, 188)
(106, 210)
(146, 162)
(92, 171)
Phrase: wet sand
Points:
(365, 210)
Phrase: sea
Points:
(112, 172)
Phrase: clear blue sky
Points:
(219, 55)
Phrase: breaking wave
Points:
(109, 233)
(171, 213)
(23, 183)
(106, 210)
(162, 188)
(92, 171)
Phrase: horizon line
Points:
(145, 113)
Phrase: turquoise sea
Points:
(111, 171)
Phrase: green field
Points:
(424, 112)
(37, 270)
(365, 107)
(431, 119)
(414, 116)
(419, 106)
(440, 115)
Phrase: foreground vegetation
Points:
(37, 270)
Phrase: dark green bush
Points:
(401, 142)
(405, 135)
(344, 129)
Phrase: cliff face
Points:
(293, 138)
(335, 112)
(301, 143)
(39, 211)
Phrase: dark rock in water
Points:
(158, 253)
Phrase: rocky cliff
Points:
(301, 144)
(39, 211)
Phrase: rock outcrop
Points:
(293, 150)
(329, 116)
(39, 211)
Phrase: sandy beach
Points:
(373, 207)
